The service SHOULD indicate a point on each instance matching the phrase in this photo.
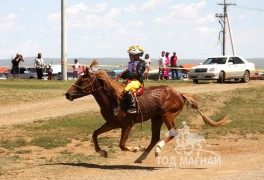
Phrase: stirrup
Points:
(131, 110)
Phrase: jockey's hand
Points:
(120, 74)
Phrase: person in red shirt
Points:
(173, 60)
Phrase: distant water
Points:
(29, 61)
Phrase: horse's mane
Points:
(111, 87)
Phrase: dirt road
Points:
(241, 157)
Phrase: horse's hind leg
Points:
(104, 128)
(168, 120)
(156, 124)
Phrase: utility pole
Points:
(63, 41)
(223, 18)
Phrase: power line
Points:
(250, 8)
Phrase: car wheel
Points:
(221, 77)
(246, 77)
(195, 81)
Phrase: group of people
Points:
(164, 62)
(39, 64)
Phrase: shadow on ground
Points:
(109, 167)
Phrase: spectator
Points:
(162, 64)
(39, 64)
(75, 69)
(15, 64)
(147, 61)
(167, 66)
(50, 70)
(174, 66)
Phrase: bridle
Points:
(92, 89)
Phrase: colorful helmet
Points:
(135, 50)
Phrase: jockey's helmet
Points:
(135, 50)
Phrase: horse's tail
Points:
(191, 100)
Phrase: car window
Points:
(22, 70)
(231, 60)
(237, 60)
(215, 61)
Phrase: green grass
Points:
(243, 106)
(245, 110)
(12, 144)
(29, 90)
(34, 84)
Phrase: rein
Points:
(89, 85)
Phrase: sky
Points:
(105, 29)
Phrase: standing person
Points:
(173, 60)
(162, 63)
(39, 64)
(50, 70)
(147, 61)
(15, 64)
(133, 75)
(167, 63)
(75, 69)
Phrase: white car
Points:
(223, 68)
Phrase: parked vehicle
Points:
(2, 77)
(261, 76)
(223, 68)
(24, 73)
(69, 76)
(153, 74)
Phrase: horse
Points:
(160, 104)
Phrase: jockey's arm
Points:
(128, 75)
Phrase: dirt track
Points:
(242, 158)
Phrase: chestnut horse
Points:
(161, 104)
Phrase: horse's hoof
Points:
(138, 161)
(142, 148)
(157, 154)
(103, 153)
(136, 149)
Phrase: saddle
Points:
(139, 92)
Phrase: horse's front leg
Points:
(104, 128)
(124, 136)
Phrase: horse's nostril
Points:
(67, 95)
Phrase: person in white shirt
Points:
(39, 65)
(75, 69)
(162, 65)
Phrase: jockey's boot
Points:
(132, 104)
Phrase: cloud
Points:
(11, 17)
(9, 23)
(149, 5)
(77, 9)
(205, 30)
(81, 16)
(185, 14)
(135, 24)
(154, 4)
(113, 13)
(98, 7)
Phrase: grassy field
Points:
(244, 107)
(29, 90)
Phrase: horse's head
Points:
(84, 86)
